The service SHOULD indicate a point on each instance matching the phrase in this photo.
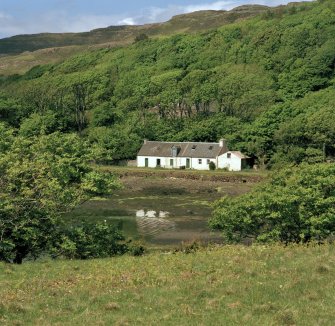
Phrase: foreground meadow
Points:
(230, 285)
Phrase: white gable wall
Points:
(232, 163)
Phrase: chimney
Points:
(145, 141)
(223, 145)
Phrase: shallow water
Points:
(155, 219)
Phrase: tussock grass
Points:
(232, 285)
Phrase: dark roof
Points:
(197, 150)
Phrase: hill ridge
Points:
(179, 23)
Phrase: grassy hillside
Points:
(233, 285)
(21, 63)
(22, 52)
(125, 34)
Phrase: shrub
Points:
(189, 247)
(212, 166)
(136, 249)
(89, 240)
(296, 205)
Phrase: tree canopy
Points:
(296, 205)
(41, 178)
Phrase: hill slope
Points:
(193, 22)
(264, 83)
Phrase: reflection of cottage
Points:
(152, 223)
(190, 156)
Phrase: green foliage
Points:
(104, 115)
(96, 183)
(10, 110)
(38, 124)
(296, 205)
(88, 240)
(6, 137)
(136, 249)
(102, 144)
(307, 137)
(212, 166)
(37, 71)
(40, 178)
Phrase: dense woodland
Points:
(266, 84)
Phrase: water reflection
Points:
(165, 220)
(150, 222)
(152, 214)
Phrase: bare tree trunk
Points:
(81, 97)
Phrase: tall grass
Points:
(232, 285)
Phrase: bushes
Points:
(212, 166)
(296, 205)
(89, 240)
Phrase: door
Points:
(158, 162)
(187, 163)
(146, 162)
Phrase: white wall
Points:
(234, 163)
(177, 162)
(152, 161)
(203, 165)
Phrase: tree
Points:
(80, 93)
(38, 124)
(104, 115)
(10, 110)
(88, 240)
(296, 205)
(41, 178)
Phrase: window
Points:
(194, 147)
(228, 155)
(208, 161)
(210, 148)
(200, 161)
(171, 162)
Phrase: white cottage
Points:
(175, 155)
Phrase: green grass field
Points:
(232, 285)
